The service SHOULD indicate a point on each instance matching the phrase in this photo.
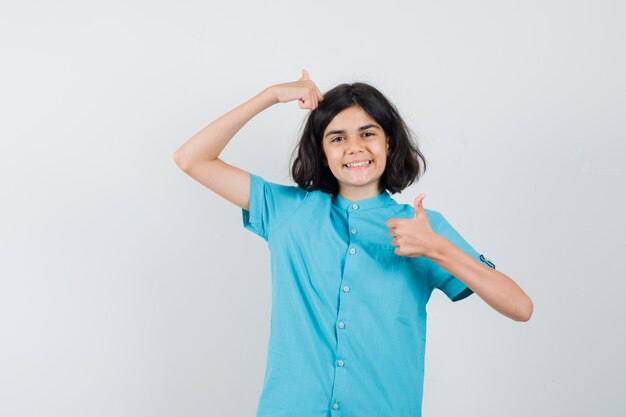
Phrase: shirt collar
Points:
(380, 200)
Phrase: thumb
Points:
(418, 204)
(305, 75)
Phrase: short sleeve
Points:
(439, 277)
(271, 205)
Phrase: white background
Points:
(128, 289)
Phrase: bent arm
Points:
(198, 157)
(208, 143)
(495, 288)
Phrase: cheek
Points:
(382, 162)
(335, 160)
(383, 154)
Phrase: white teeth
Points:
(358, 164)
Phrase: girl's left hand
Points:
(414, 237)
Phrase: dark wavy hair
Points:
(403, 166)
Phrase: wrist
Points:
(269, 95)
(437, 247)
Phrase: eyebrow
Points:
(343, 132)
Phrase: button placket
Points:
(352, 254)
(346, 287)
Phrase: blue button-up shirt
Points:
(348, 320)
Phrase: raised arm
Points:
(199, 156)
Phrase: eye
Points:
(366, 133)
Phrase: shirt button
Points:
(355, 206)
(341, 325)
(352, 251)
(346, 289)
(353, 231)
(340, 362)
(335, 406)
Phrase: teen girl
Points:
(352, 270)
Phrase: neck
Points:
(359, 193)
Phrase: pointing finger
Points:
(321, 96)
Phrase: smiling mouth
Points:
(360, 164)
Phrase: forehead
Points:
(350, 118)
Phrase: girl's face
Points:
(354, 137)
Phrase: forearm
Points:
(494, 287)
(208, 143)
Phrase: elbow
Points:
(178, 159)
(186, 162)
(526, 310)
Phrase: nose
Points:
(354, 144)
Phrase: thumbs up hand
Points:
(413, 237)
(304, 90)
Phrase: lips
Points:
(361, 166)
